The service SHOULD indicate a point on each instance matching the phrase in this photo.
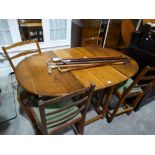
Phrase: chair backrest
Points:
(25, 52)
(145, 80)
(82, 103)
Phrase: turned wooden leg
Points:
(107, 101)
(81, 127)
(109, 119)
(135, 103)
(100, 100)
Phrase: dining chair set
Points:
(49, 115)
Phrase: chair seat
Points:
(55, 117)
(123, 86)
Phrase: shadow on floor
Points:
(4, 125)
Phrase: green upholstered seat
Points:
(51, 108)
(123, 86)
(57, 116)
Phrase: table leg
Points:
(107, 100)
(104, 107)
(100, 100)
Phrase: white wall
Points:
(5, 67)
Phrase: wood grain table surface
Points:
(32, 72)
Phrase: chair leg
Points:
(135, 103)
(109, 119)
(81, 127)
(115, 111)
(38, 132)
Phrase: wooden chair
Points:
(26, 52)
(55, 114)
(23, 97)
(135, 89)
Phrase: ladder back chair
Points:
(53, 115)
(26, 52)
(132, 89)
(23, 98)
(10, 58)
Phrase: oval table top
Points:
(32, 73)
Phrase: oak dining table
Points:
(32, 73)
